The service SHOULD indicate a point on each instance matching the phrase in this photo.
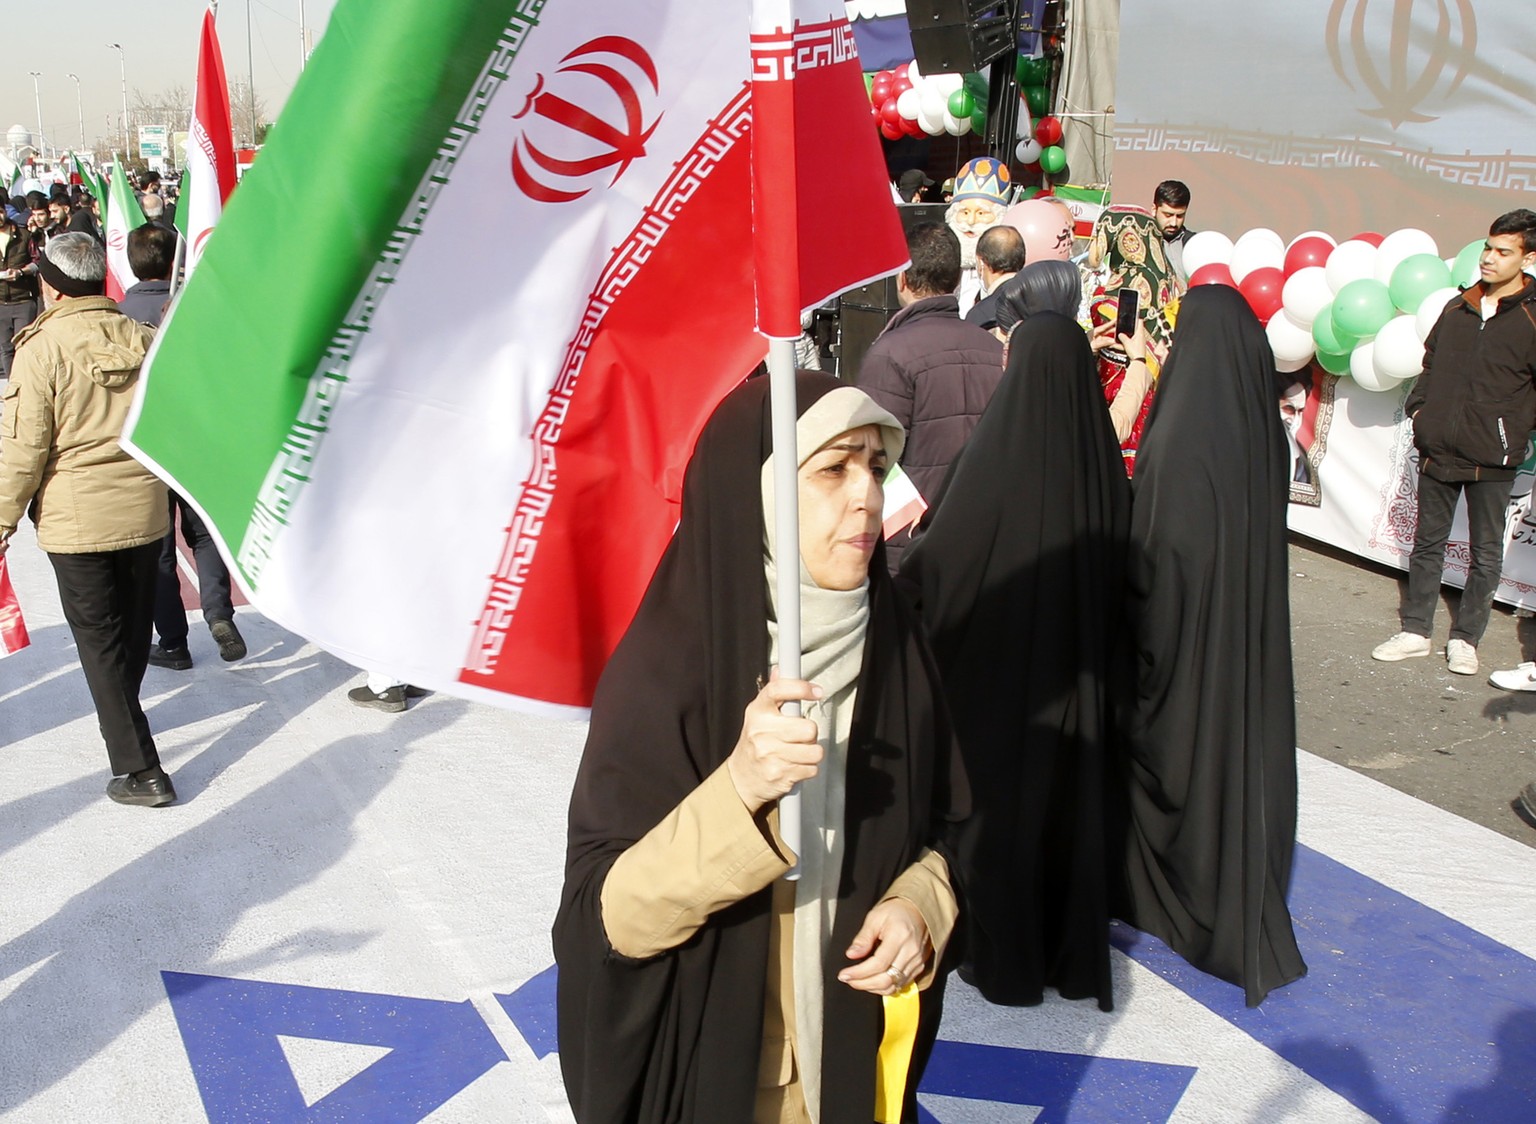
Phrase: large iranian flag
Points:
(439, 420)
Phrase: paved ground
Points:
(1451, 740)
(347, 914)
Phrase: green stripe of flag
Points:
(300, 238)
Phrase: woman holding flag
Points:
(696, 982)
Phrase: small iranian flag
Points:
(123, 215)
(13, 630)
(448, 434)
(1086, 205)
(210, 171)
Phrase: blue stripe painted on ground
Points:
(1410, 1015)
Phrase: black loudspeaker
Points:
(864, 312)
(959, 36)
(858, 328)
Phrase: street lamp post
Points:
(123, 67)
(79, 110)
(37, 95)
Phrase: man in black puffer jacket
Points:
(931, 369)
(1472, 409)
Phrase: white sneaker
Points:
(1522, 678)
(1461, 657)
(1401, 647)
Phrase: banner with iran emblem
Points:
(440, 427)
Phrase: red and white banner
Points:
(1355, 482)
(13, 630)
(210, 166)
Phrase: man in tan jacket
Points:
(100, 515)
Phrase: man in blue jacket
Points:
(1472, 410)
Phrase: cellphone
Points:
(1128, 309)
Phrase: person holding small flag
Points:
(100, 514)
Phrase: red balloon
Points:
(879, 91)
(1215, 273)
(1369, 236)
(1307, 252)
(1262, 289)
(1044, 192)
(913, 127)
(901, 85)
(889, 113)
(891, 132)
(1048, 131)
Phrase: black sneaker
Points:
(154, 792)
(392, 701)
(177, 659)
(227, 637)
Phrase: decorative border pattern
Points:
(780, 55)
(1507, 172)
(728, 129)
(291, 470)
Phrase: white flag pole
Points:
(786, 514)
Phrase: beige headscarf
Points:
(832, 624)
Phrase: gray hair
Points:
(153, 207)
(78, 256)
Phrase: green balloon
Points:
(1333, 364)
(979, 120)
(1415, 278)
(1039, 99)
(1465, 271)
(1362, 307)
(1328, 337)
(961, 104)
(1034, 72)
(1028, 191)
(1053, 160)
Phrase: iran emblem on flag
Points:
(457, 423)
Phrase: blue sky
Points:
(159, 41)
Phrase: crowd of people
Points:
(1064, 696)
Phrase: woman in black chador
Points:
(696, 984)
(1020, 581)
(1212, 730)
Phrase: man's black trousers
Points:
(108, 600)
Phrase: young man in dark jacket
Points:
(18, 288)
(931, 369)
(1472, 410)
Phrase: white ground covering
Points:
(420, 855)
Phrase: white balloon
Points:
(1363, 367)
(1430, 309)
(948, 83)
(913, 73)
(1286, 367)
(954, 126)
(1205, 248)
(1350, 261)
(1249, 254)
(1397, 246)
(933, 126)
(1323, 234)
(1398, 352)
(1263, 234)
(1290, 342)
(909, 103)
(1028, 151)
(1306, 294)
(933, 101)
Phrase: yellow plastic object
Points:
(895, 1059)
